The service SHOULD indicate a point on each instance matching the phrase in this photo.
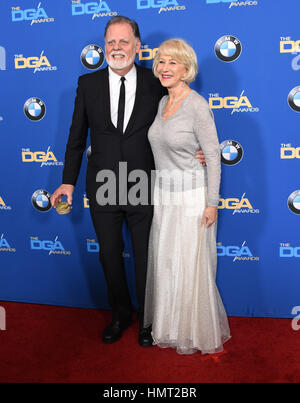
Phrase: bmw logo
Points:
(294, 99)
(228, 48)
(294, 202)
(88, 152)
(92, 57)
(41, 200)
(231, 152)
(34, 109)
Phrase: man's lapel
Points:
(106, 102)
(137, 102)
(136, 107)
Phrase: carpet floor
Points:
(44, 343)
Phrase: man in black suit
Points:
(118, 113)
(118, 133)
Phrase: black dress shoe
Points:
(113, 332)
(145, 338)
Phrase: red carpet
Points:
(57, 344)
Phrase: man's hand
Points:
(201, 157)
(209, 216)
(66, 190)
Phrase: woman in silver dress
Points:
(182, 300)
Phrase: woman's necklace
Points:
(174, 102)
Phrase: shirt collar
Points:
(130, 76)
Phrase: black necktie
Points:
(121, 106)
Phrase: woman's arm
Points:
(206, 133)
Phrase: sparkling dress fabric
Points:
(182, 300)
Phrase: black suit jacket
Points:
(108, 145)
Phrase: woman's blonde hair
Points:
(180, 51)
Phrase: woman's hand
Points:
(201, 157)
(209, 216)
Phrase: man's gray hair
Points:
(121, 19)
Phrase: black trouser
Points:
(108, 227)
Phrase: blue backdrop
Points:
(249, 71)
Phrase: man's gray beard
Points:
(116, 65)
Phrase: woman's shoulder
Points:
(200, 105)
(198, 100)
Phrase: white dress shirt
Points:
(114, 90)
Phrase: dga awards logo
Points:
(147, 53)
(234, 3)
(236, 104)
(3, 205)
(54, 247)
(92, 57)
(294, 202)
(231, 152)
(86, 201)
(289, 152)
(2, 58)
(238, 253)
(92, 245)
(5, 246)
(96, 10)
(38, 63)
(287, 45)
(45, 158)
(41, 200)
(35, 15)
(162, 5)
(238, 205)
(228, 48)
(34, 109)
(286, 250)
(291, 47)
(294, 99)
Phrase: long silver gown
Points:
(182, 300)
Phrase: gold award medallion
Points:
(63, 208)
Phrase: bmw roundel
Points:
(228, 48)
(294, 99)
(41, 200)
(92, 57)
(294, 202)
(231, 152)
(34, 109)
